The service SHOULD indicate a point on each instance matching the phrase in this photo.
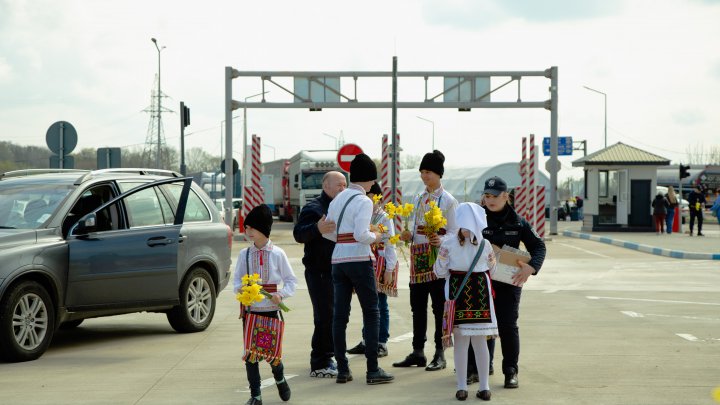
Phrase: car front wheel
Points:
(197, 303)
(27, 322)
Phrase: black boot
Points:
(511, 380)
(416, 358)
(283, 390)
(438, 361)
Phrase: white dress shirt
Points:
(356, 220)
(275, 269)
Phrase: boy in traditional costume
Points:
(352, 268)
(263, 328)
(386, 267)
(465, 261)
(423, 282)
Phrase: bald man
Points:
(318, 272)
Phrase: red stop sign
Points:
(346, 154)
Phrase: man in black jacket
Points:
(318, 275)
(696, 200)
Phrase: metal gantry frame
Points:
(352, 101)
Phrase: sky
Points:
(92, 63)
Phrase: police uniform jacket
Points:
(508, 228)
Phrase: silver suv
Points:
(84, 244)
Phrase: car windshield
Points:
(29, 206)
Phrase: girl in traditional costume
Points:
(465, 262)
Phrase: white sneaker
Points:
(327, 372)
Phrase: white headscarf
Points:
(471, 217)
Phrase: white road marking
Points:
(401, 338)
(689, 337)
(592, 297)
(268, 382)
(632, 314)
(585, 250)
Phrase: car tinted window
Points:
(25, 206)
(195, 210)
(144, 208)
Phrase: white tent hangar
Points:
(467, 184)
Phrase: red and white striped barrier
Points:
(531, 195)
(385, 163)
(520, 192)
(540, 211)
(253, 191)
(398, 189)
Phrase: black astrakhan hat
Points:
(362, 168)
(260, 218)
(375, 189)
(434, 162)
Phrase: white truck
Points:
(298, 180)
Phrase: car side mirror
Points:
(87, 224)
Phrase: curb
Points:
(675, 254)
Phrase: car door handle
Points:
(159, 241)
(182, 238)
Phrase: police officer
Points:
(506, 227)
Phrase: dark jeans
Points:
(695, 214)
(419, 294)
(669, 220)
(253, 369)
(320, 288)
(507, 311)
(384, 330)
(358, 276)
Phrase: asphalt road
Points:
(599, 325)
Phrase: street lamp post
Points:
(333, 137)
(159, 110)
(605, 98)
(433, 130)
(271, 147)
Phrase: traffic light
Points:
(684, 171)
(184, 115)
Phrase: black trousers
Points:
(696, 214)
(253, 369)
(419, 293)
(321, 290)
(507, 311)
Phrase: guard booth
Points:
(620, 184)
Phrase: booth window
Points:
(603, 183)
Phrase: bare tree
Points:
(698, 154)
(409, 161)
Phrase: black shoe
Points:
(382, 351)
(473, 378)
(253, 401)
(284, 390)
(461, 395)
(343, 377)
(412, 359)
(437, 363)
(359, 349)
(511, 380)
(379, 377)
(484, 395)
(701, 234)
(491, 371)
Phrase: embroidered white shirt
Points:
(447, 204)
(355, 220)
(272, 264)
(390, 253)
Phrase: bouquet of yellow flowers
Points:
(378, 216)
(253, 292)
(403, 211)
(434, 220)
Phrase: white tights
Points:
(482, 359)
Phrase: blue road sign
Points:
(565, 146)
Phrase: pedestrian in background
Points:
(660, 207)
(506, 227)
(716, 206)
(318, 276)
(580, 203)
(697, 205)
(672, 208)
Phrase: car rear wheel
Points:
(27, 322)
(197, 303)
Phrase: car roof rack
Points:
(32, 172)
(140, 171)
